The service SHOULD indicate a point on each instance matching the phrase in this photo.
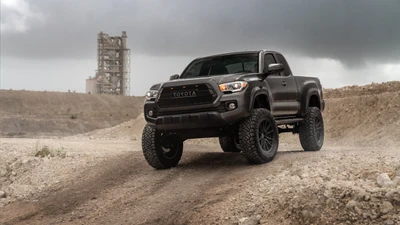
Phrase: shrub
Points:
(44, 152)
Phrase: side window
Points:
(268, 59)
(281, 59)
(251, 66)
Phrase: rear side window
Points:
(281, 59)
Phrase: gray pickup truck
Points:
(244, 98)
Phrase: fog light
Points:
(232, 106)
(151, 113)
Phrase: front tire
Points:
(160, 150)
(311, 130)
(259, 137)
(229, 144)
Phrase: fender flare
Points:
(305, 100)
(257, 92)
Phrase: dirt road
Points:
(108, 182)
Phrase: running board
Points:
(288, 121)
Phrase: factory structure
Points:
(113, 66)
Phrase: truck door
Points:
(277, 87)
(292, 106)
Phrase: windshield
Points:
(221, 65)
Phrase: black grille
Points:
(220, 109)
(204, 95)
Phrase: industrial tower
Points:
(113, 66)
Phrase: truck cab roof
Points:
(240, 52)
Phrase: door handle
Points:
(283, 83)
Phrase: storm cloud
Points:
(352, 32)
(51, 44)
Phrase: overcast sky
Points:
(51, 44)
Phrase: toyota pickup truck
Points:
(244, 98)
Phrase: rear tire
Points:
(259, 137)
(159, 150)
(229, 144)
(311, 130)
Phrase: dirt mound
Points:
(339, 187)
(364, 120)
(32, 113)
(356, 90)
(127, 131)
(338, 198)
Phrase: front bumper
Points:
(200, 116)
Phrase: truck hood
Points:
(217, 79)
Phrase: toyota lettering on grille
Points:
(183, 94)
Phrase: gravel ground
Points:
(105, 182)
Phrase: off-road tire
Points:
(311, 130)
(154, 152)
(250, 137)
(228, 144)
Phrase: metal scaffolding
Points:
(113, 66)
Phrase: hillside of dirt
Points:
(359, 90)
(34, 114)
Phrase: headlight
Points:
(233, 87)
(151, 95)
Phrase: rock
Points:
(16, 165)
(386, 207)
(367, 197)
(384, 180)
(361, 194)
(295, 178)
(14, 173)
(358, 210)
(396, 181)
(26, 161)
(242, 220)
(3, 172)
(319, 180)
(388, 222)
(331, 202)
(2, 194)
(253, 220)
(304, 175)
(397, 173)
(351, 204)
(389, 195)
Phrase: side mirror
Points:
(174, 77)
(274, 68)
